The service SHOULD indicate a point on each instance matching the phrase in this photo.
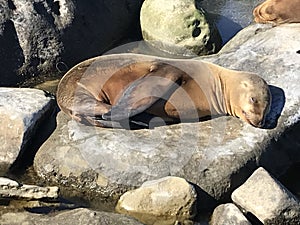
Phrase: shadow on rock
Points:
(40, 135)
(278, 101)
(148, 121)
(205, 203)
(11, 55)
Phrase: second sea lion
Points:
(277, 12)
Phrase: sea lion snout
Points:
(257, 122)
(261, 123)
(254, 100)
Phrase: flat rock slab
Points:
(21, 111)
(267, 199)
(78, 216)
(218, 155)
(12, 189)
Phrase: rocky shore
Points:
(218, 171)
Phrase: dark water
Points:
(230, 15)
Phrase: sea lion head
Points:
(253, 100)
(265, 13)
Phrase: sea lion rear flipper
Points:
(142, 93)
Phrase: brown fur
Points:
(278, 12)
(128, 84)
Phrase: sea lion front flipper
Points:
(84, 107)
(145, 91)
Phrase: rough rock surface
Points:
(178, 27)
(228, 214)
(170, 199)
(48, 36)
(12, 189)
(217, 155)
(21, 113)
(78, 216)
(267, 199)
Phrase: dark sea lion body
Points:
(117, 87)
(278, 12)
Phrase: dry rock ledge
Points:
(217, 155)
(12, 189)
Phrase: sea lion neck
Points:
(227, 90)
(221, 91)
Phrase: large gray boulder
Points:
(22, 112)
(39, 37)
(179, 27)
(217, 155)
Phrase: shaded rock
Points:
(44, 205)
(12, 189)
(178, 27)
(228, 214)
(267, 199)
(162, 201)
(21, 113)
(218, 155)
(78, 216)
(290, 178)
(42, 37)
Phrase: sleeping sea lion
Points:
(277, 12)
(118, 87)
